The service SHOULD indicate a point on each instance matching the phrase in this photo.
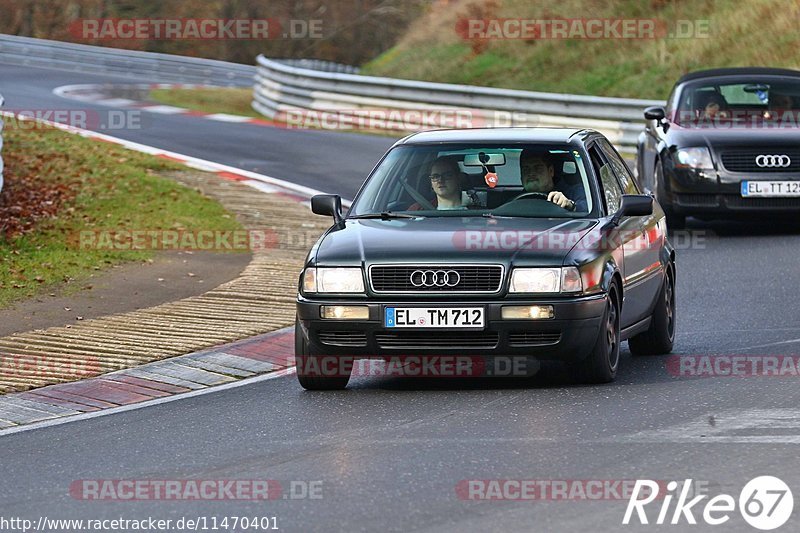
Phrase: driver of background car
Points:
(713, 105)
(537, 172)
(445, 180)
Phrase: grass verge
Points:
(230, 100)
(699, 35)
(58, 185)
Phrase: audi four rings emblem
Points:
(773, 161)
(435, 278)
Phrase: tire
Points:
(660, 336)
(309, 379)
(601, 365)
(674, 220)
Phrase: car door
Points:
(643, 266)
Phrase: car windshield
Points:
(440, 180)
(753, 101)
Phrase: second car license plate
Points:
(775, 189)
(434, 317)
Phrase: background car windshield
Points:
(472, 180)
(750, 100)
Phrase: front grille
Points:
(744, 159)
(437, 339)
(737, 202)
(343, 338)
(531, 338)
(696, 200)
(472, 278)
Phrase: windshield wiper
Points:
(385, 215)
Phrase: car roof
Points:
(490, 135)
(737, 71)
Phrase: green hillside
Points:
(727, 33)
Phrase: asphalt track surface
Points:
(390, 452)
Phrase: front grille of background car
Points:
(343, 338)
(744, 159)
(697, 200)
(531, 338)
(737, 202)
(473, 278)
(437, 339)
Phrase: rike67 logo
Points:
(765, 503)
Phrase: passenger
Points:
(781, 102)
(537, 172)
(445, 177)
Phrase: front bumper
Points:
(569, 336)
(719, 193)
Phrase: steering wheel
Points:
(537, 195)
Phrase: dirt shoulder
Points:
(168, 276)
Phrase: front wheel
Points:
(602, 363)
(313, 370)
(660, 336)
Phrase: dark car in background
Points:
(726, 145)
(505, 272)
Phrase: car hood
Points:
(518, 241)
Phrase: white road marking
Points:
(224, 117)
(115, 102)
(769, 345)
(745, 426)
(164, 109)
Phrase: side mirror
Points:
(655, 113)
(634, 205)
(327, 204)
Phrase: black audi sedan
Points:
(489, 243)
(726, 145)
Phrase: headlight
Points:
(546, 280)
(334, 280)
(698, 157)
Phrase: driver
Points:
(537, 171)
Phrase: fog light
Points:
(527, 312)
(345, 312)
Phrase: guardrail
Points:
(141, 66)
(343, 99)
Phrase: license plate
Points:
(774, 189)
(433, 317)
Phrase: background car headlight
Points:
(334, 280)
(698, 157)
(546, 280)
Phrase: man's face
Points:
(537, 175)
(444, 181)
